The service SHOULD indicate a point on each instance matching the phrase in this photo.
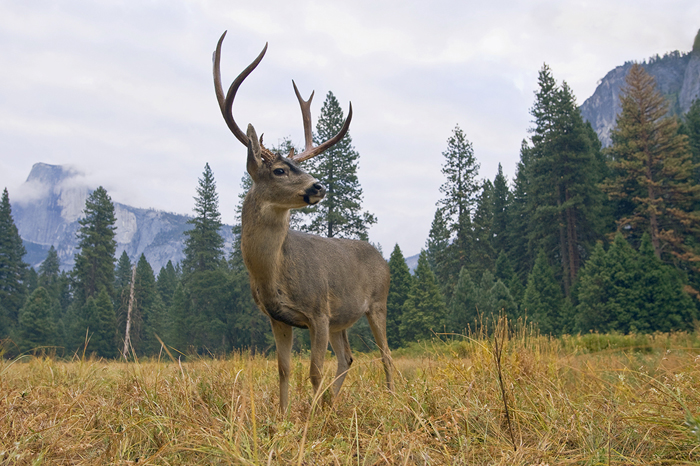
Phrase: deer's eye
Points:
(278, 171)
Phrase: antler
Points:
(311, 151)
(226, 106)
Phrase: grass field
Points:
(593, 399)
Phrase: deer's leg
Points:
(341, 346)
(377, 322)
(319, 345)
(283, 341)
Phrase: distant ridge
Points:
(51, 201)
(677, 76)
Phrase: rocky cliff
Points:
(677, 76)
(51, 201)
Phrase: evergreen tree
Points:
(483, 254)
(653, 172)
(506, 274)
(692, 129)
(339, 214)
(399, 288)
(503, 301)
(464, 310)
(122, 274)
(204, 274)
(519, 215)
(204, 245)
(664, 305)
(424, 311)
(501, 200)
(94, 263)
(460, 191)
(626, 291)
(36, 326)
(101, 324)
(166, 284)
(50, 269)
(12, 268)
(543, 300)
(564, 173)
(122, 287)
(438, 251)
(148, 312)
(30, 280)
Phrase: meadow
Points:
(591, 399)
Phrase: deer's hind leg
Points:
(341, 347)
(377, 322)
(283, 341)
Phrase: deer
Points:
(298, 279)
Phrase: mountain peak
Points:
(51, 174)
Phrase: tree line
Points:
(202, 305)
(582, 239)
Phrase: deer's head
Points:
(277, 180)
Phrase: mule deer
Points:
(298, 279)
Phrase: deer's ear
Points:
(254, 157)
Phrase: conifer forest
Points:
(584, 239)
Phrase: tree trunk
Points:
(572, 240)
(127, 334)
(653, 218)
(562, 243)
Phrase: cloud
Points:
(123, 90)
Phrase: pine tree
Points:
(101, 324)
(148, 313)
(339, 214)
(653, 173)
(399, 288)
(204, 274)
(563, 173)
(501, 200)
(664, 305)
(464, 310)
(519, 215)
(424, 311)
(122, 274)
(204, 244)
(36, 326)
(628, 291)
(460, 191)
(483, 254)
(50, 269)
(12, 268)
(543, 300)
(503, 301)
(692, 129)
(94, 263)
(505, 273)
(166, 284)
(441, 262)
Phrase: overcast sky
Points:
(122, 90)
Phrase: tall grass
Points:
(592, 399)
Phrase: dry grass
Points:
(568, 405)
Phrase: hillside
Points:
(677, 76)
(51, 202)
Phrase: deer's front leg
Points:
(319, 345)
(283, 341)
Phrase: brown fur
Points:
(303, 280)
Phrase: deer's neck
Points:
(264, 229)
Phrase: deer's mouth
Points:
(311, 201)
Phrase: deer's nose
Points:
(319, 187)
